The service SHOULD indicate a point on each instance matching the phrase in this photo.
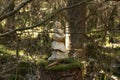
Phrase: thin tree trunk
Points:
(10, 23)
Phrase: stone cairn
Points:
(58, 44)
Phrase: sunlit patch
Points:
(114, 77)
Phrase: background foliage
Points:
(25, 37)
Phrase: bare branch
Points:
(42, 22)
(4, 9)
(22, 4)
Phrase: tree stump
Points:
(62, 71)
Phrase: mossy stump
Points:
(65, 70)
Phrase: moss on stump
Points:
(66, 69)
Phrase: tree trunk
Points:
(10, 22)
(76, 28)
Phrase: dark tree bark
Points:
(72, 74)
(76, 20)
(10, 22)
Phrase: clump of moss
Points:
(42, 63)
(68, 60)
(65, 66)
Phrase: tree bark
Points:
(72, 74)
(10, 22)
(76, 28)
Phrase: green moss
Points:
(68, 60)
(42, 63)
(64, 64)
(69, 66)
